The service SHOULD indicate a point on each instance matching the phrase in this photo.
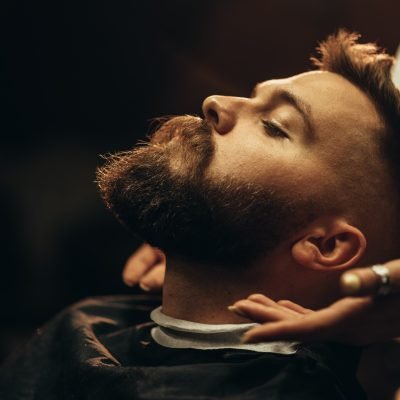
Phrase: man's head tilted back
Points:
(299, 182)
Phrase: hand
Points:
(352, 320)
(146, 267)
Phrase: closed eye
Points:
(272, 129)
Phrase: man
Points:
(278, 194)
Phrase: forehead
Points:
(336, 104)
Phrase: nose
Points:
(221, 112)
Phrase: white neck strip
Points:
(181, 334)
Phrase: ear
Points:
(329, 244)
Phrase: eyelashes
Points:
(273, 130)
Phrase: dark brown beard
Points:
(184, 213)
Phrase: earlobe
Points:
(332, 245)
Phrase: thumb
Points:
(365, 282)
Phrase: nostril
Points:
(213, 116)
(220, 112)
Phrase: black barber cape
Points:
(101, 348)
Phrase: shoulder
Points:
(114, 312)
(92, 332)
(129, 307)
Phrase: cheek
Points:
(275, 165)
(294, 175)
(238, 159)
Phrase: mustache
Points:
(187, 137)
(183, 126)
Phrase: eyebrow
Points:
(303, 108)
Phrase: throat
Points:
(203, 295)
(202, 306)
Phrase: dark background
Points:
(82, 78)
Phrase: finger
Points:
(284, 330)
(295, 307)
(154, 279)
(394, 271)
(364, 282)
(266, 301)
(258, 312)
(139, 263)
(260, 298)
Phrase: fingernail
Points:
(350, 283)
(236, 310)
(144, 287)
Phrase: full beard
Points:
(161, 191)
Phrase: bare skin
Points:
(146, 268)
(301, 156)
(298, 162)
(301, 162)
(364, 318)
(359, 319)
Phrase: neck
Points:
(202, 293)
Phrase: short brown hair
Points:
(369, 68)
